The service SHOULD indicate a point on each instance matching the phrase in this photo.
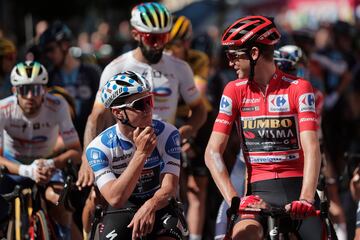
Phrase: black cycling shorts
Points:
(114, 224)
(279, 192)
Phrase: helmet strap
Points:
(252, 64)
(126, 120)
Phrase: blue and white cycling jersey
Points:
(110, 153)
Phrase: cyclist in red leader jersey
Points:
(276, 118)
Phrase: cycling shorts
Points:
(279, 192)
(114, 224)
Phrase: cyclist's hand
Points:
(143, 221)
(85, 175)
(301, 209)
(252, 201)
(145, 140)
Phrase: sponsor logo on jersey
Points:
(274, 159)
(290, 80)
(266, 133)
(158, 127)
(226, 105)
(308, 120)
(307, 103)
(241, 83)
(278, 103)
(172, 146)
(250, 100)
(162, 92)
(223, 121)
(32, 141)
(250, 109)
(108, 138)
(97, 159)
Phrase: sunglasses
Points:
(36, 90)
(140, 104)
(152, 39)
(233, 55)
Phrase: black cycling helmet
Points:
(58, 31)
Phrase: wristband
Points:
(26, 171)
(50, 163)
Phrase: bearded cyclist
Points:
(28, 137)
(168, 78)
(277, 123)
(136, 162)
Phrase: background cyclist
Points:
(195, 178)
(136, 162)
(28, 137)
(280, 169)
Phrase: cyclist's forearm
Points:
(197, 117)
(167, 190)
(119, 191)
(12, 167)
(217, 168)
(312, 162)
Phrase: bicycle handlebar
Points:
(272, 212)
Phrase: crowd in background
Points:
(332, 51)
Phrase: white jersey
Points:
(109, 155)
(168, 79)
(25, 139)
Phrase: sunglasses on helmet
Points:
(35, 89)
(233, 55)
(152, 39)
(140, 104)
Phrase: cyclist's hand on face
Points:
(85, 175)
(145, 140)
(301, 209)
(143, 221)
(252, 201)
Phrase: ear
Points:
(135, 34)
(13, 90)
(255, 53)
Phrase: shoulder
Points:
(104, 141)
(8, 102)
(236, 84)
(54, 103)
(163, 128)
(174, 61)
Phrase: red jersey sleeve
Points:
(228, 109)
(305, 104)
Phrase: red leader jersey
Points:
(269, 124)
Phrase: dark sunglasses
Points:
(152, 39)
(140, 104)
(233, 55)
(36, 90)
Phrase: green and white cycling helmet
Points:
(29, 72)
(122, 85)
(151, 17)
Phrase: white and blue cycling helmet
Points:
(122, 85)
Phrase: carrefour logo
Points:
(226, 105)
(162, 92)
(279, 103)
(307, 102)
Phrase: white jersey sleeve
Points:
(188, 89)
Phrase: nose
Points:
(29, 94)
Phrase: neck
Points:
(127, 131)
(139, 56)
(264, 72)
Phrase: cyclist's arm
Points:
(196, 119)
(215, 162)
(312, 162)
(118, 190)
(12, 167)
(167, 190)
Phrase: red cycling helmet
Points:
(250, 30)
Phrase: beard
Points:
(151, 55)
